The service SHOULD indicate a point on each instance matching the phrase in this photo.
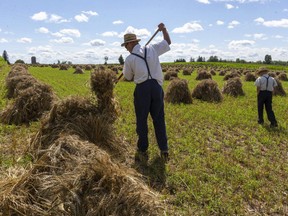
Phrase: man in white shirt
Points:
(143, 67)
(265, 86)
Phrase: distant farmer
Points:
(265, 86)
(143, 67)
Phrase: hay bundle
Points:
(63, 67)
(169, 75)
(115, 69)
(178, 92)
(54, 66)
(78, 70)
(233, 87)
(80, 116)
(17, 70)
(203, 75)
(272, 74)
(279, 90)
(102, 81)
(29, 105)
(16, 83)
(102, 84)
(187, 71)
(250, 77)
(282, 76)
(212, 72)
(231, 75)
(207, 90)
(75, 177)
(222, 73)
(88, 67)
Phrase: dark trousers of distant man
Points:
(149, 98)
(264, 98)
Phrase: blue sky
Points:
(85, 31)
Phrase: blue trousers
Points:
(149, 98)
(265, 98)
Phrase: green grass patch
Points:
(222, 161)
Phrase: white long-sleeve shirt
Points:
(135, 68)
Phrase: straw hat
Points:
(129, 37)
(262, 70)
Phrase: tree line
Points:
(267, 60)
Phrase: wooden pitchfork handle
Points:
(145, 45)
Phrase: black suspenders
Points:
(149, 74)
(267, 78)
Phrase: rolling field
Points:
(222, 162)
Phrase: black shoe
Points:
(273, 125)
(165, 156)
(141, 157)
(261, 122)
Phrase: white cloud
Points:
(57, 34)
(91, 13)
(232, 24)
(97, 42)
(109, 34)
(204, 1)
(24, 40)
(188, 27)
(240, 44)
(278, 36)
(143, 33)
(117, 22)
(219, 22)
(84, 16)
(81, 18)
(43, 16)
(260, 36)
(71, 32)
(40, 16)
(282, 23)
(243, 1)
(3, 40)
(63, 40)
(259, 20)
(54, 18)
(40, 49)
(43, 30)
(229, 6)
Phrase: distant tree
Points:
(106, 59)
(121, 60)
(268, 59)
(213, 59)
(192, 60)
(19, 61)
(200, 59)
(58, 61)
(180, 60)
(5, 57)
